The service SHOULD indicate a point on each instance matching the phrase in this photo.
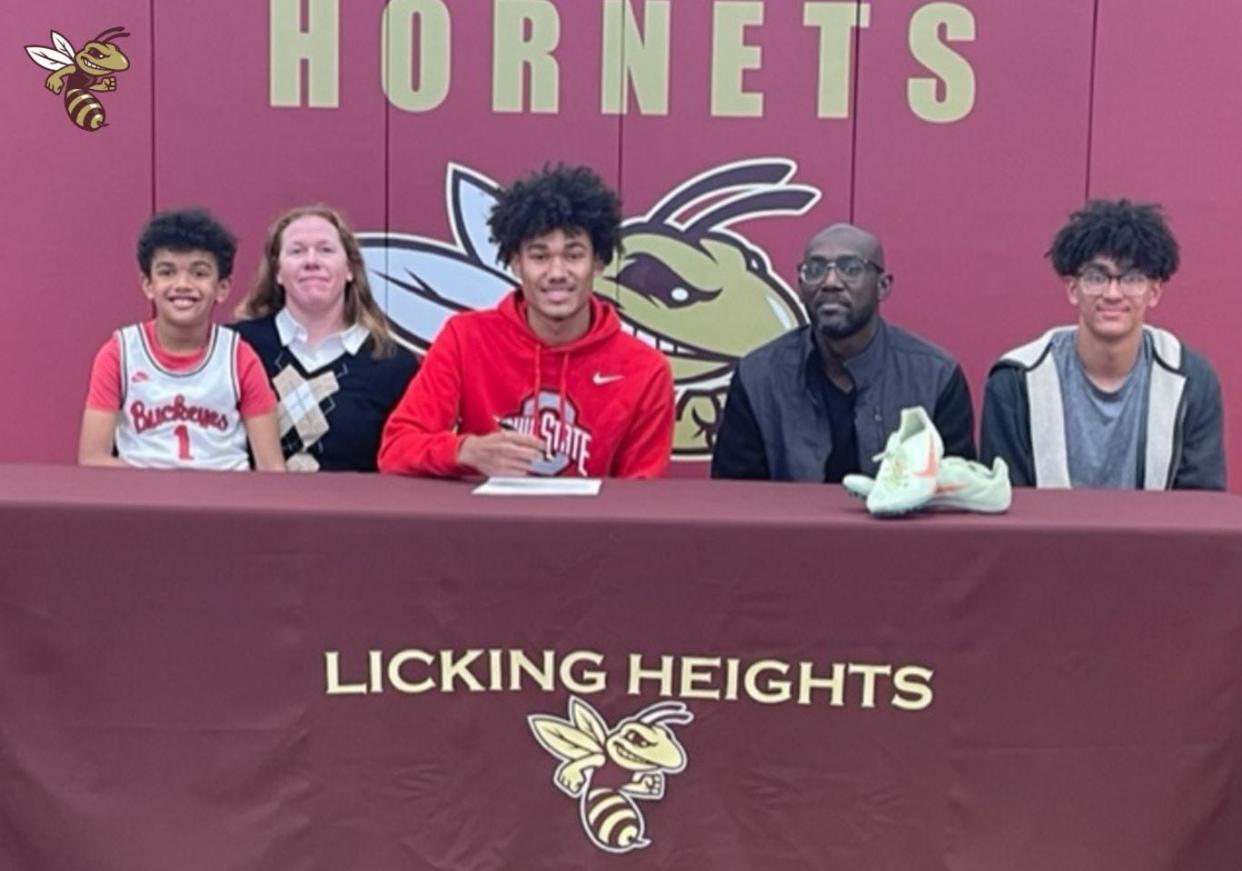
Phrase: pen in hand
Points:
(505, 451)
(507, 426)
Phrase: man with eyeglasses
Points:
(819, 402)
(1109, 402)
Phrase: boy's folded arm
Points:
(421, 435)
(95, 439)
(263, 433)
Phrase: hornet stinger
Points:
(609, 770)
(686, 283)
(79, 73)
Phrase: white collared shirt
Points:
(294, 337)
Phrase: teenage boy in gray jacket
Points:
(1110, 401)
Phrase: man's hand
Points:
(500, 453)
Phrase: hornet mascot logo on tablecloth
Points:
(607, 769)
(686, 283)
(77, 74)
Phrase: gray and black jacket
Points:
(1181, 447)
(775, 426)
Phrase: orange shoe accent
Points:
(932, 466)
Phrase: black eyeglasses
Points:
(813, 270)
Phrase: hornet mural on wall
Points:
(79, 74)
(685, 283)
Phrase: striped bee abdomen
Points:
(612, 820)
(83, 109)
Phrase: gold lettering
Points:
(332, 666)
(951, 96)
(495, 670)
(318, 45)
(869, 674)
(513, 55)
(915, 683)
(376, 658)
(808, 683)
(638, 674)
(732, 57)
(397, 679)
(589, 680)
(453, 669)
(631, 57)
(695, 674)
(731, 667)
(773, 692)
(836, 23)
(434, 54)
(543, 674)
(766, 681)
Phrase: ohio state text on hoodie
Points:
(603, 404)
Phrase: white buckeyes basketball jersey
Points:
(180, 420)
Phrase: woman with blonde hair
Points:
(324, 343)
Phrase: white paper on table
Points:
(530, 486)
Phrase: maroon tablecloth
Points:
(221, 671)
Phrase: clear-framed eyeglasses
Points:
(1094, 281)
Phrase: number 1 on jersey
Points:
(182, 432)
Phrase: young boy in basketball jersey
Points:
(177, 391)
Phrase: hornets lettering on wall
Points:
(686, 283)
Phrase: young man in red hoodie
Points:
(546, 383)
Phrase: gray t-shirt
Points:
(1103, 431)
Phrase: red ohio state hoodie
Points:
(603, 404)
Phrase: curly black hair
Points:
(1135, 235)
(186, 230)
(557, 197)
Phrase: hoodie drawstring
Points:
(561, 391)
(538, 375)
(560, 407)
(534, 419)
